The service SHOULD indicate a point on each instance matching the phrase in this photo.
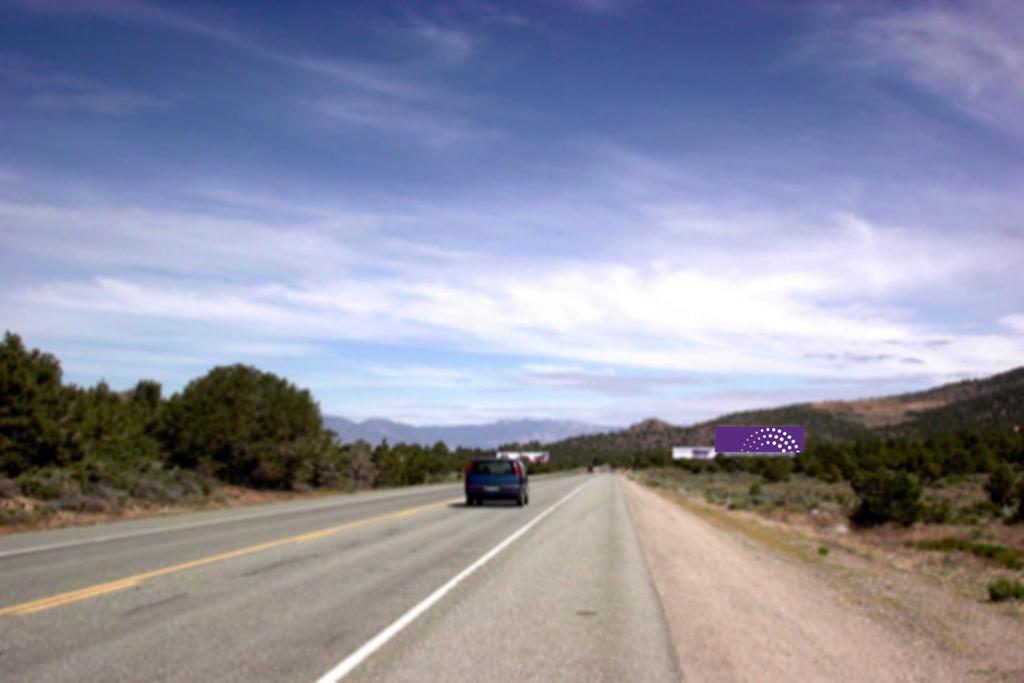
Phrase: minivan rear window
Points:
(493, 467)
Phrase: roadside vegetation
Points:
(965, 528)
(1010, 558)
(1005, 589)
(67, 450)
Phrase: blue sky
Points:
(468, 210)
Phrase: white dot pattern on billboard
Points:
(770, 440)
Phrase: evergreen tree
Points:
(246, 426)
(31, 400)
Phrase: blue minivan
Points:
(497, 479)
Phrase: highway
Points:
(399, 585)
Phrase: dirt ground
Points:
(745, 604)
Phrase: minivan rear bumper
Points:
(503, 492)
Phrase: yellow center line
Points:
(131, 581)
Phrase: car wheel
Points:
(519, 501)
(469, 502)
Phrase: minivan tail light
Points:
(469, 467)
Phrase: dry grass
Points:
(28, 514)
(879, 412)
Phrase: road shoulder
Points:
(741, 609)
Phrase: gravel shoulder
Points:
(743, 606)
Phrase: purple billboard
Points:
(759, 439)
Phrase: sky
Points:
(466, 210)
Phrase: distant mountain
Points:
(488, 435)
(995, 402)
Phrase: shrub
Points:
(777, 469)
(938, 511)
(1001, 485)
(360, 467)
(1019, 514)
(8, 489)
(1004, 589)
(48, 484)
(887, 497)
(1000, 554)
(15, 516)
(994, 552)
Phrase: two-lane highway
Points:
(395, 585)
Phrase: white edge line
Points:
(346, 665)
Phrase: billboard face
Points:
(759, 439)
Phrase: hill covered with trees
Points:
(993, 404)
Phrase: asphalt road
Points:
(399, 585)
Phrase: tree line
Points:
(235, 424)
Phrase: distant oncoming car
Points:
(497, 479)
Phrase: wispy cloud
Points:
(362, 76)
(600, 6)
(51, 89)
(135, 12)
(968, 55)
(363, 95)
(493, 13)
(423, 125)
(607, 383)
(453, 44)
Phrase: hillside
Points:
(981, 400)
(995, 402)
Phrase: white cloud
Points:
(746, 291)
(1015, 322)
(681, 320)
